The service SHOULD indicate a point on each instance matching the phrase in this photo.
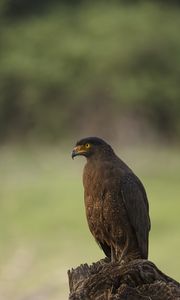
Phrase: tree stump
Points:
(136, 280)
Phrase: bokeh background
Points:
(70, 69)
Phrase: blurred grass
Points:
(43, 229)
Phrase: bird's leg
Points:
(113, 256)
(124, 252)
(116, 251)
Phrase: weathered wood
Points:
(137, 280)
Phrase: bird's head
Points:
(92, 147)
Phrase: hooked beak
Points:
(78, 150)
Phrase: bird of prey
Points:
(116, 204)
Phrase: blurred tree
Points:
(20, 8)
(98, 62)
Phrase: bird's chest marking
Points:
(97, 210)
(99, 203)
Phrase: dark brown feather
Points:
(116, 204)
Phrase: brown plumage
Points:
(116, 203)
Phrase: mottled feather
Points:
(115, 200)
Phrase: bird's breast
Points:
(103, 211)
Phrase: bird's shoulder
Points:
(107, 167)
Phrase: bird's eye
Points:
(87, 146)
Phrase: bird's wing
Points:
(136, 203)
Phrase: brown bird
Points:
(116, 203)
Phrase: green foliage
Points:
(69, 65)
(21, 8)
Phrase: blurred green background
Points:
(69, 70)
